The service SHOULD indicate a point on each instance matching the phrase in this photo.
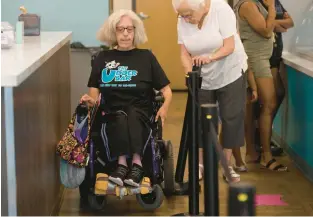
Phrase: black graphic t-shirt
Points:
(127, 78)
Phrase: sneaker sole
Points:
(131, 183)
(117, 181)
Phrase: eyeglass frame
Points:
(122, 29)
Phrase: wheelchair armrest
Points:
(159, 98)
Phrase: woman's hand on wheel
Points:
(200, 60)
(88, 99)
(162, 113)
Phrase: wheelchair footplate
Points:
(105, 187)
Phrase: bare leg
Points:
(122, 160)
(279, 89)
(137, 159)
(228, 154)
(238, 157)
(251, 154)
(201, 156)
(268, 101)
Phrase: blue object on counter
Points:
(31, 24)
(19, 32)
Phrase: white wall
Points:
(296, 9)
(83, 17)
(122, 4)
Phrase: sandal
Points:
(278, 168)
(235, 176)
(201, 169)
(241, 168)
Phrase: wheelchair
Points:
(158, 166)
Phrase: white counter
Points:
(299, 63)
(21, 60)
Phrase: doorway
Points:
(161, 28)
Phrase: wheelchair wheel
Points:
(152, 200)
(169, 177)
(96, 203)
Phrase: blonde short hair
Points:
(107, 32)
(194, 4)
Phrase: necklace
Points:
(201, 20)
(204, 15)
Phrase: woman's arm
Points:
(251, 80)
(94, 93)
(227, 48)
(286, 23)
(251, 13)
(279, 28)
(252, 85)
(227, 27)
(167, 94)
(185, 59)
(162, 113)
(91, 97)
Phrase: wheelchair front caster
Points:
(96, 203)
(152, 200)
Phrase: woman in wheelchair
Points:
(126, 76)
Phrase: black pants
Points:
(127, 132)
(231, 101)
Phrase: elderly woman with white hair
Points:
(126, 77)
(207, 35)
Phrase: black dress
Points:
(126, 80)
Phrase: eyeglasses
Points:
(121, 29)
(184, 17)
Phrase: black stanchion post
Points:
(194, 151)
(184, 142)
(211, 198)
(241, 200)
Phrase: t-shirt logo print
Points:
(114, 73)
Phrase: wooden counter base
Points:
(41, 108)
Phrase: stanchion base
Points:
(182, 189)
(188, 214)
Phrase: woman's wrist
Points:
(212, 57)
(166, 104)
(271, 12)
